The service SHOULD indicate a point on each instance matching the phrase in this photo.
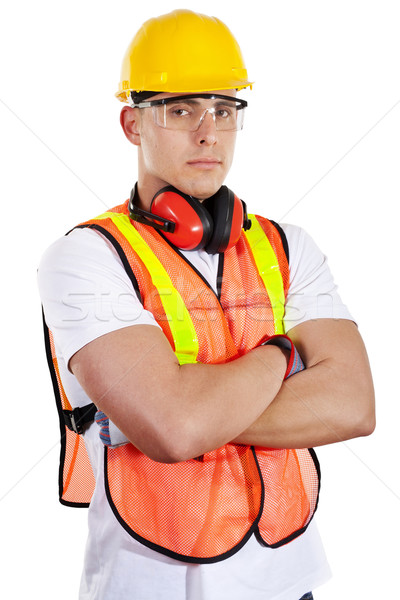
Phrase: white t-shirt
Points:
(86, 293)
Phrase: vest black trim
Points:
(297, 533)
(285, 243)
(61, 420)
(220, 273)
(176, 555)
(120, 252)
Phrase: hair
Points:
(142, 96)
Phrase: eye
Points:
(224, 112)
(178, 111)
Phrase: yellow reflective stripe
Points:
(268, 268)
(181, 325)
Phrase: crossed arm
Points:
(331, 401)
(172, 413)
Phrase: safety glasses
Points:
(187, 112)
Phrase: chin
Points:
(201, 192)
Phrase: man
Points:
(201, 400)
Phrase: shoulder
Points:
(313, 293)
(307, 262)
(302, 247)
(82, 241)
(82, 254)
(77, 244)
(85, 291)
(80, 269)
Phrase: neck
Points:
(147, 185)
(145, 192)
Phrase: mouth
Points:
(204, 163)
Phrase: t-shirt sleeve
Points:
(86, 292)
(312, 291)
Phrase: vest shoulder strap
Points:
(283, 238)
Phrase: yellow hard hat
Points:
(182, 51)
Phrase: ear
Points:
(129, 120)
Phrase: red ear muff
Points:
(227, 212)
(193, 224)
(214, 225)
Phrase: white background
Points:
(320, 149)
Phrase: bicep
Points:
(335, 347)
(114, 347)
(328, 339)
(128, 374)
(133, 361)
(316, 319)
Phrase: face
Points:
(195, 162)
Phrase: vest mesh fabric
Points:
(177, 507)
(203, 510)
(291, 493)
(76, 478)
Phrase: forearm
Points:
(308, 411)
(331, 401)
(172, 412)
(213, 403)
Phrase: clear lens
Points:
(189, 114)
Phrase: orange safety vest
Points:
(201, 510)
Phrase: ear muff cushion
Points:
(227, 213)
(193, 223)
(237, 222)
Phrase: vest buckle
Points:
(76, 419)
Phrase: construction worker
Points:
(199, 351)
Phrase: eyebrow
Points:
(183, 101)
(195, 102)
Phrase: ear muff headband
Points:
(221, 206)
(189, 224)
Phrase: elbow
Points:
(369, 422)
(367, 419)
(358, 404)
(164, 450)
(171, 454)
(172, 444)
(366, 425)
(180, 448)
(160, 453)
(362, 421)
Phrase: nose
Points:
(206, 133)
